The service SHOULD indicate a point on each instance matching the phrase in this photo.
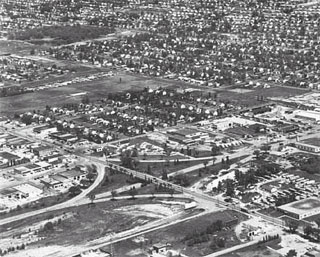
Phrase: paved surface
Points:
(72, 202)
(232, 249)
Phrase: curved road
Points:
(72, 202)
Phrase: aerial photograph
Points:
(160, 128)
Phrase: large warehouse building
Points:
(302, 209)
(310, 145)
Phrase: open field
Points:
(95, 89)
(88, 222)
(113, 182)
(250, 98)
(175, 236)
(15, 46)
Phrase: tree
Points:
(230, 187)
(219, 188)
(133, 192)
(291, 253)
(164, 174)
(256, 153)
(308, 230)
(113, 194)
(90, 176)
(92, 197)
(126, 159)
(221, 242)
(215, 150)
(85, 99)
(205, 163)
(74, 190)
(265, 148)
(48, 226)
(293, 225)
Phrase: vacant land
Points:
(89, 222)
(95, 89)
(176, 234)
(251, 98)
(16, 47)
(57, 35)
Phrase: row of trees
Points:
(12, 249)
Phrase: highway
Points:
(209, 203)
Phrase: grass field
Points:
(114, 182)
(175, 234)
(96, 89)
(250, 98)
(15, 46)
(89, 222)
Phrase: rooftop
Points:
(315, 141)
(302, 206)
(8, 156)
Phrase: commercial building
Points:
(13, 193)
(73, 175)
(308, 115)
(46, 129)
(187, 136)
(302, 209)
(310, 145)
(9, 159)
(42, 150)
(230, 122)
(65, 137)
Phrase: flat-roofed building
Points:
(302, 209)
(42, 150)
(310, 145)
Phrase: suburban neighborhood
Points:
(157, 128)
